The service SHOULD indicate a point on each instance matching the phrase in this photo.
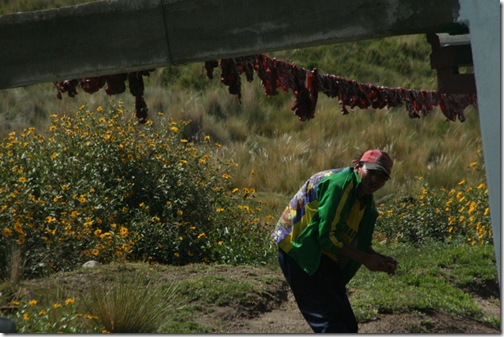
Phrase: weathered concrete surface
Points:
(484, 21)
(115, 36)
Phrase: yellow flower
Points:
(123, 231)
(7, 232)
(69, 301)
(97, 232)
(22, 179)
(26, 316)
(32, 303)
(18, 227)
(202, 235)
(174, 129)
(462, 182)
(180, 212)
(220, 209)
(226, 176)
(472, 207)
(95, 252)
(99, 108)
(42, 313)
(50, 219)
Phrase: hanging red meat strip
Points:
(304, 84)
(274, 73)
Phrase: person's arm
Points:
(371, 259)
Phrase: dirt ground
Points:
(287, 319)
(284, 317)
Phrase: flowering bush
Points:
(445, 215)
(58, 317)
(99, 185)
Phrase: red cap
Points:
(378, 160)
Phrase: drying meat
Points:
(115, 85)
(306, 85)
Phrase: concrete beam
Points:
(116, 36)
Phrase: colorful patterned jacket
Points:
(314, 222)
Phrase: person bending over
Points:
(324, 236)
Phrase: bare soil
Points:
(287, 319)
(280, 314)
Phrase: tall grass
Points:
(127, 306)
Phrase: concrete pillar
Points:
(7, 325)
(484, 21)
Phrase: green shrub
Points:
(57, 316)
(458, 214)
(101, 186)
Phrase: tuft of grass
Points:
(128, 306)
(13, 263)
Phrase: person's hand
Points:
(389, 263)
(378, 262)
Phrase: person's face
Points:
(371, 180)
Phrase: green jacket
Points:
(315, 219)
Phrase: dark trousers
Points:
(322, 298)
